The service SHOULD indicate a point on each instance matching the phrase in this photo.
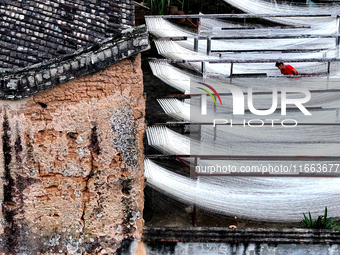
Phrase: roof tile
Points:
(55, 27)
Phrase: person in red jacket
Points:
(286, 69)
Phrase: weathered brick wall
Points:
(72, 165)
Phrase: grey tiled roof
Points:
(33, 31)
(23, 82)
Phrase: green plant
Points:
(161, 7)
(321, 222)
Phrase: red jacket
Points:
(288, 70)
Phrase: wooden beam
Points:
(236, 16)
(260, 60)
(248, 37)
(271, 50)
(178, 124)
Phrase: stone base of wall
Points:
(225, 241)
(240, 249)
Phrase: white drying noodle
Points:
(244, 44)
(173, 143)
(165, 28)
(171, 76)
(160, 27)
(267, 199)
(168, 29)
(188, 83)
(267, 84)
(323, 107)
(250, 207)
(266, 207)
(329, 99)
(214, 26)
(163, 139)
(175, 108)
(172, 50)
(277, 134)
(259, 6)
(191, 114)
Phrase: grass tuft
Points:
(321, 222)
